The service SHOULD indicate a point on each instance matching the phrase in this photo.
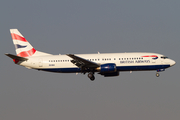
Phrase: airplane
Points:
(106, 64)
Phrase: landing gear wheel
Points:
(157, 74)
(91, 76)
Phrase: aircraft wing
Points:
(81, 62)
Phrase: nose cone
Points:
(172, 62)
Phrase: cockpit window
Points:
(164, 57)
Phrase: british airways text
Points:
(135, 61)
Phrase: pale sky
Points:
(81, 26)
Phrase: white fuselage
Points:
(123, 61)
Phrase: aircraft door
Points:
(40, 62)
(153, 61)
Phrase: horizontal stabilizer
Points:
(16, 57)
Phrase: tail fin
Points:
(22, 46)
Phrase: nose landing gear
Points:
(157, 74)
(159, 70)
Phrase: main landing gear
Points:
(91, 76)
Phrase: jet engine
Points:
(107, 68)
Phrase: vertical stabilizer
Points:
(22, 46)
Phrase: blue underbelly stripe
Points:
(119, 68)
(139, 68)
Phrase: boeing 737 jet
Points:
(106, 64)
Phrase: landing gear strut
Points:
(157, 74)
(91, 76)
(159, 70)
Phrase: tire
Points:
(92, 78)
(90, 75)
(157, 74)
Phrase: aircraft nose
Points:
(172, 62)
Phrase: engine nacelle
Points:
(107, 68)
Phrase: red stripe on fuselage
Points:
(150, 56)
(17, 37)
(27, 53)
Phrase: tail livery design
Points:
(22, 46)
